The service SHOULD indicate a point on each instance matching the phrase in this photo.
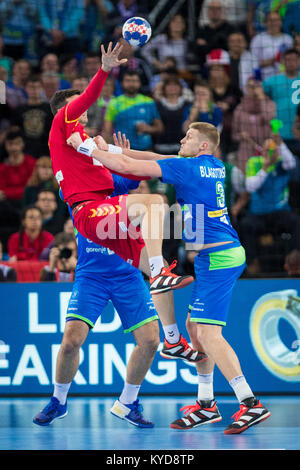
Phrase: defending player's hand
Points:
(121, 141)
(110, 58)
(101, 143)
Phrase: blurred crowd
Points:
(240, 72)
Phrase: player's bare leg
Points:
(67, 361)
(149, 211)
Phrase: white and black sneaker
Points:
(166, 280)
(182, 350)
(196, 415)
(251, 412)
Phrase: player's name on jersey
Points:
(208, 172)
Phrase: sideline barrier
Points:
(263, 327)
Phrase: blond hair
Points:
(209, 131)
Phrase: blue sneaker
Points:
(52, 411)
(131, 413)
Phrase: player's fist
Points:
(101, 143)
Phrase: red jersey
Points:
(25, 248)
(79, 176)
(13, 178)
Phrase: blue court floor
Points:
(90, 426)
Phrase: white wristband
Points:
(114, 149)
(87, 147)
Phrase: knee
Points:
(150, 341)
(207, 335)
(70, 344)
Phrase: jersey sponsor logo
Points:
(208, 172)
(104, 210)
(59, 176)
(218, 213)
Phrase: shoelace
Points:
(239, 413)
(137, 413)
(167, 271)
(51, 408)
(189, 409)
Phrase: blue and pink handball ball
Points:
(136, 31)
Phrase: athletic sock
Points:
(61, 392)
(205, 389)
(156, 264)
(129, 393)
(172, 334)
(241, 388)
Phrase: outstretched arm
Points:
(79, 105)
(118, 163)
(121, 141)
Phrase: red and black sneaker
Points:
(248, 415)
(196, 415)
(166, 280)
(182, 350)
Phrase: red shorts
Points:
(106, 223)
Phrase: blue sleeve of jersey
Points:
(123, 185)
(173, 170)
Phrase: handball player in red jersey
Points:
(86, 186)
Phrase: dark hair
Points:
(290, 52)
(131, 73)
(63, 238)
(13, 134)
(33, 79)
(59, 98)
(23, 216)
(45, 190)
(168, 81)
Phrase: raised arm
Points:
(79, 105)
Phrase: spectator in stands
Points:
(171, 107)
(296, 44)
(213, 35)
(169, 71)
(91, 64)
(289, 12)
(251, 122)
(69, 67)
(269, 46)
(16, 170)
(18, 19)
(34, 118)
(134, 114)
(7, 273)
(50, 84)
(50, 63)
(94, 24)
(281, 89)
(235, 13)
(31, 240)
(123, 10)
(224, 94)
(203, 109)
(69, 227)
(135, 62)
(52, 220)
(5, 61)
(267, 181)
(62, 259)
(173, 43)
(256, 16)
(236, 196)
(21, 71)
(242, 63)
(292, 263)
(41, 178)
(60, 22)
